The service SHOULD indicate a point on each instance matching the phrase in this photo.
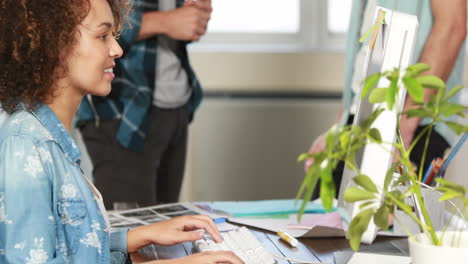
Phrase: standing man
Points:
(440, 44)
(137, 136)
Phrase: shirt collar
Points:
(51, 122)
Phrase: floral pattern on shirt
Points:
(37, 255)
(21, 245)
(68, 191)
(45, 155)
(92, 238)
(33, 165)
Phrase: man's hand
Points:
(173, 231)
(188, 22)
(318, 146)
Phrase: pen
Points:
(288, 238)
(428, 171)
(452, 154)
(435, 169)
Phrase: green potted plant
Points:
(342, 143)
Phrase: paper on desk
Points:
(316, 225)
(264, 207)
(309, 221)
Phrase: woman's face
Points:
(92, 59)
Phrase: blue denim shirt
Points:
(47, 211)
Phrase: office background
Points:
(268, 95)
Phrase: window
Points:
(279, 25)
(338, 16)
(259, 16)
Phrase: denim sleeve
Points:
(130, 31)
(118, 246)
(27, 226)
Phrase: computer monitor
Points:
(392, 48)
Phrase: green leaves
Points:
(431, 81)
(414, 88)
(451, 190)
(377, 95)
(417, 69)
(374, 135)
(358, 226)
(370, 83)
(456, 127)
(343, 144)
(355, 194)
(392, 91)
(366, 183)
(454, 91)
(381, 217)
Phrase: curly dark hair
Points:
(33, 35)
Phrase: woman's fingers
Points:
(202, 222)
(215, 257)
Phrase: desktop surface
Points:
(310, 249)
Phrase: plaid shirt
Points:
(132, 90)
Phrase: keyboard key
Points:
(242, 242)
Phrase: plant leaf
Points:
(448, 109)
(456, 127)
(375, 136)
(363, 205)
(365, 182)
(309, 183)
(391, 93)
(303, 157)
(369, 83)
(327, 193)
(418, 112)
(414, 88)
(453, 91)
(366, 124)
(389, 176)
(358, 226)
(377, 95)
(381, 217)
(344, 139)
(431, 81)
(449, 195)
(447, 185)
(418, 68)
(355, 194)
(402, 179)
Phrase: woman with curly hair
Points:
(52, 54)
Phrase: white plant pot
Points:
(454, 249)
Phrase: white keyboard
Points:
(242, 242)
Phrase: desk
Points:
(311, 249)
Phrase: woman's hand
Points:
(173, 231)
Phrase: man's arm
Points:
(440, 52)
(185, 23)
